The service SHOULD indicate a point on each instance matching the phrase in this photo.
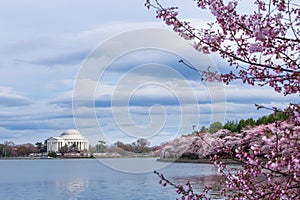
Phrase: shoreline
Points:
(192, 161)
(21, 158)
(196, 161)
(41, 158)
(61, 158)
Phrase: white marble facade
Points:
(68, 138)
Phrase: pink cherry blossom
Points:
(267, 40)
(264, 47)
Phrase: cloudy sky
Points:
(96, 66)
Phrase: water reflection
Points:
(89, 179)
(133, 165)
(73, 188)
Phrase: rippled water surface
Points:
(91, 179)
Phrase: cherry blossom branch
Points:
(264, 35)
(185, 191)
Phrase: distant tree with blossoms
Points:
(261, 48)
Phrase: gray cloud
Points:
(37, 121)
(60, 59)
(10, 99)
(14, 100)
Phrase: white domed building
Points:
(69, 138)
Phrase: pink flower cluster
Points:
(269, 172)
(268, 157)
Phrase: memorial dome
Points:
(72, 134)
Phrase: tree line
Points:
(140, 146)
(10, 149)
(239, 125)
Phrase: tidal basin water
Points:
(91, 179)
